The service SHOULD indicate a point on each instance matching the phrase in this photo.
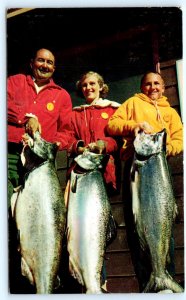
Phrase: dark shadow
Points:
(140, 258)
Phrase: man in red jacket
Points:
(35, 103)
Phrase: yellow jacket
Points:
(159, 115)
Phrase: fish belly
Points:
(88, 214)
(40, 216)
(157, 206)
(154, 222)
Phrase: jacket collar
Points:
(100, 103)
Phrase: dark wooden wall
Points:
(120, 271)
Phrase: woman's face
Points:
(153, 86)
(91, 88)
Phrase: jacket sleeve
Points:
(16, 108)
(121, 123)
(175, 141)
(64, 131)
(110, 141)
(74, 142)
(111, 144)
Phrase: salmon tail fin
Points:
(165, 282)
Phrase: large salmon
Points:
(154, 206)
(40, 216)
(87, 221)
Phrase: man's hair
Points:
(34, 52)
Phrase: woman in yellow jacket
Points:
(149, 111)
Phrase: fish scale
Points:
(87, 220)
(40, 216)
(154, 206)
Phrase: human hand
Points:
(97, 147)
(32, 126)
(57, 144)
(80, 150)
(169, 149)
(26, 139)
(143, 126)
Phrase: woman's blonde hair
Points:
(102, 84)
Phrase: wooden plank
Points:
(18, 11)
(177, 181)
(172, 94)
(179, 235)
(121, 276)
(119, 263)
(180, 279)
(122, 284)
(179, 261)
(120, 243)
(118, 213)
(62, 178)
(169, 76)
(176, 164)
(61, 164)
(180, 204)
(115, 199)
(61, 160)
(166, 64)
(130, 284)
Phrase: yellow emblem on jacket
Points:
(104, 115)
(50, 106)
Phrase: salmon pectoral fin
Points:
(25, 270)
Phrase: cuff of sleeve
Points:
(30, 115)
(169, 150)
(80, 143)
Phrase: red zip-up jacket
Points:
(52, 105)
(88, 125)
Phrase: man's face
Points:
(153, 86)
(43, 65)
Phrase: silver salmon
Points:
(154, 206)
(87, 221)
(40, 215)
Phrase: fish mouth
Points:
(42, 148)
(150, 144)
(90, 161)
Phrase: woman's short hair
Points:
(102, 84)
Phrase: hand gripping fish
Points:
(40, 215)
(154, 206)
(87, 221)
